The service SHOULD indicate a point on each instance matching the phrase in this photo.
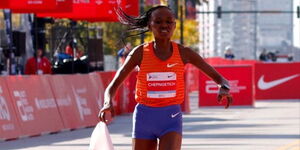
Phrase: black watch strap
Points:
(225, 86)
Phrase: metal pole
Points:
(218, 51)
(255, 30)
(181, 24)
(74, 43)
(141, 12)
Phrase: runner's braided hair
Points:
(139, 23)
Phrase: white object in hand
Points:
(100, 138)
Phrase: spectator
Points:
(290, 57)
(123, 52)
(263, 56)
(190, 9)
(69, 49)
(228, 53)
(271, 57)
(38, 64)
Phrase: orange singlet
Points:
(160, 83)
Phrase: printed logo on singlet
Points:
(161, 84)
(171, 65)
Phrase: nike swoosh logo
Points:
(267, 85)
(174, 115)
(171, 65)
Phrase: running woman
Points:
(157, 118)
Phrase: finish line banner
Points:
(95, 10)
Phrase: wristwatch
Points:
(225, 86)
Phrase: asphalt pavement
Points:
(269, 125)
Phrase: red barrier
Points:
(277, 81)
(9, 127)
(85, 96)
(96, 83)
(215, 61)
(76, 111)
(129, 92)
(185, 106)
(240, 79)
(106, 78)
(119, 103)
(219, 61)
(245, 62)
(191, 78)
(35, 105)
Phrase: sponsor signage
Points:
(32, 5)
(4, 4)
(60, 6)
(191, 78)
(35, 106)
(277, 81)
(118, 100)
(96, 10)
(73, 107)
(240, 80)
(9, 127)
(85, 97)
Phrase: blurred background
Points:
(254, 44)
(79, 36)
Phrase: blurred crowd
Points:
(72, 60)
(269, 56)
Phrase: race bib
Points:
(161, 84)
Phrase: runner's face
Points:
(162, 23)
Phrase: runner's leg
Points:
(170, 141)
(143, 144)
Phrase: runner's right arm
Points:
(132, 60)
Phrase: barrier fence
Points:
(240, 79)
(35, 105)
(277, 81)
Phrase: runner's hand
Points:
(224, 94)
(107, 113)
